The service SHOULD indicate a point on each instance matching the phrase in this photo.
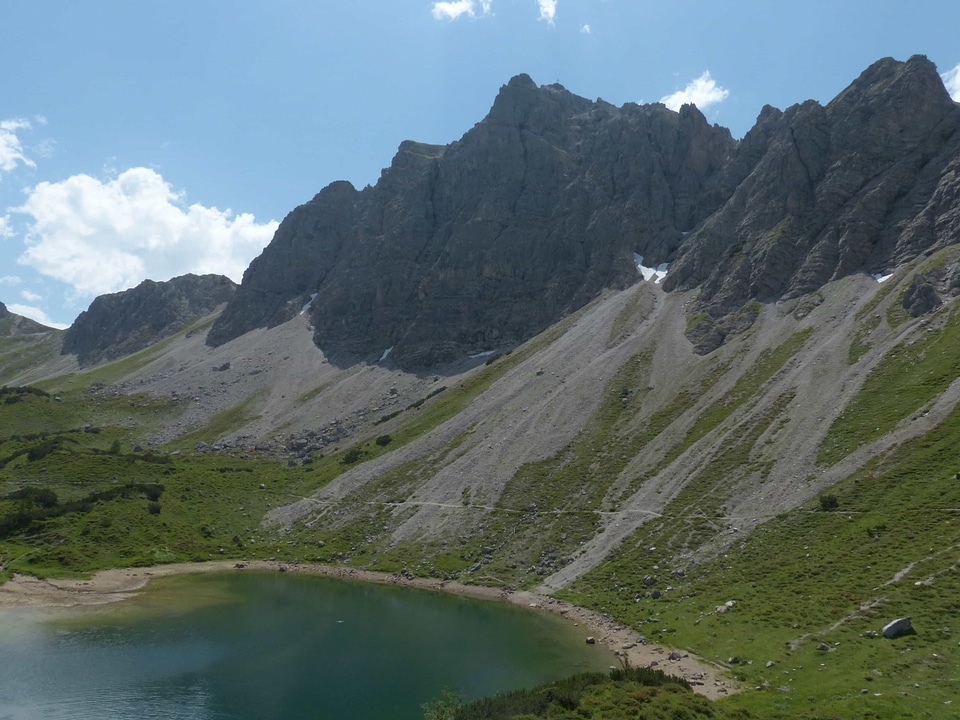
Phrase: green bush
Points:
(351, 456)
(829, 503)
(383, 440)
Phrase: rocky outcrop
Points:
(489, 240)
(13, 325)
(921, 297)
(861, 185)
(486, 241)
(122, 323)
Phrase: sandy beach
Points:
(120, 584)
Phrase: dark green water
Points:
(265, 645)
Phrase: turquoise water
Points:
(265, 645)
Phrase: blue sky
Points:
(149, 139)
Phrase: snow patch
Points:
(385, 353)
(657, 274)
(309, 303)
(881, 278)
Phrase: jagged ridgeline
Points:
(488, 240)
(122, 323)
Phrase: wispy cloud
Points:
(104, 236)
(30, 296)
(35, 313)
(10, 280)
(5, 230)
(548, 10)
(702, 92)
(951, 80)
(457, 8)
(11, 149)
(586, 30)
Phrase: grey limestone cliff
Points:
(121, 323)
(486, 241)
(863, 184)
(543, 204)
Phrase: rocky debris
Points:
(728, 605)
(121, 323)
(898, 627)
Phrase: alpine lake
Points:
(243, 645)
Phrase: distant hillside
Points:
(122, 323)
(13, 325)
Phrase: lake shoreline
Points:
(120, 584)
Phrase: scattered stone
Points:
(591, 640)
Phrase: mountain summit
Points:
(484, 242)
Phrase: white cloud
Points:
(456, 8)
(586, 30)
(11, 149)
(37, 314)
(101, 237)
(548, 10)
(5, 230)
(951, 80)
(30, 296)
(702, 92)
(10, 280)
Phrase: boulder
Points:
(898, 627)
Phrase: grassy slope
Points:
(804, 578)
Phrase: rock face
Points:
(542, 204)
(121, 323)
(487, 241)
(861, 185)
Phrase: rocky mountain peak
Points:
(13, 325)
(122, 323)
(835, 190)
(544, 203)
(479, 244)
